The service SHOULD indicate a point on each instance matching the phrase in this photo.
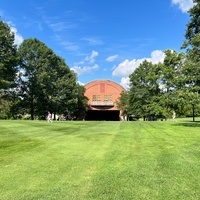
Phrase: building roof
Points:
(105, 81)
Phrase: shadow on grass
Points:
(188, 124)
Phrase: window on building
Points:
(96, 98)
(107, 98)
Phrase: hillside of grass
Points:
(99, 160)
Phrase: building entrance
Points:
(103, 115)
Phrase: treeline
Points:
(34, 80)
(156, 90)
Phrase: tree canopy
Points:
(192, 45)
(46, 82)
(158, 89)
(36, 80)
(8, 57)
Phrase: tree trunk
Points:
(32, 109)
(193, 117)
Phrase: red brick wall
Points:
(103, 88)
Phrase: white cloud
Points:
(18, 38)
(127, 67)
(184, 5)
(79, 63)
(111, 58)
(90, 58)
(84, 70)
(80, 83)
(125, 81)
(157, 56)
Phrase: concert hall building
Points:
(102, 95)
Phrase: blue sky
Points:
(101, 39)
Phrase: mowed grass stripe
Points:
(64, 154)
(99, 160)
(150, 165)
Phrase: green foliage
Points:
(153, 86)
(192, 100)
(123, 103)
(5, 106)
(170, 70)
(192, 45)
(178, 77)
(81, 103)
(8, 57)
(8, 69)
(46, 82)
(191, 71)
(144, 90)
(193, 25)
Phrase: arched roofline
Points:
(107, 80)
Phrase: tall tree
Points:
(33, 56)
(192, 45)
(81, 103)
(144, 91)
(170, 77)
(191, 69)
(8, 57)
(123, 103)
(47, 83)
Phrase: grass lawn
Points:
(100, 160)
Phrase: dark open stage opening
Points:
(102, 115)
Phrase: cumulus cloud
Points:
(156, 57)
(111, 58)
(184, 5)
(128, 66)
(18, 38)
(85, 69)
(125, 81)
(90, 58)
(80, 83)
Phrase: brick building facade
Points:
(102, 95)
